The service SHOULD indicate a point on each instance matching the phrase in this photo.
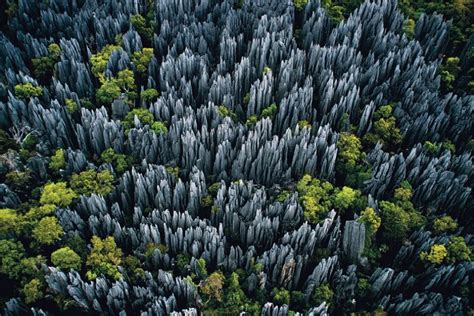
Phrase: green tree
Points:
(126, 81)
(322, 293)
(345, 198)
(315, 196)
(11, 253)
(436, 255)
(149, 95)
(409, 28)
(159, 128)
(395, 222)
(371, 220)
(108, 92)
(57, 194)
(226, 112)
(234, 296)
(71, 105)
(32, 291)
(27, 90)
(58, 161)
(48, 231)
(66, 258)
(31, 268)
(444, 224)
(141, 59)
(213, 287)
(201, 268)
(458, 250)
(140, 25)
(281, 296)
(120, 161)
(99, 60)
(143, 115)
(10, 222)
(6, 142)
(269, 111)
(105, 258)
(90, 181)
(299, 4)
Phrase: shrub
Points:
(444, 224)
(48, 231)
(66, 258)
(105, 258)
(91, 181)
(58, 161)
(149, 95)
(57, 194)
(436, 255)
(27, 90)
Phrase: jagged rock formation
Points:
(208, 54)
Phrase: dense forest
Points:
(214, 157)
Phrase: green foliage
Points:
(133, 267)
(90, 181)
(140, 25)
(71, 105)
(214, 188)
(409, 28)
(444, 224)
(108, 91)
(431, 148)
(225, 112)
(144, 116)
(36, 213)
(10, 222)
(105, 258)
(77, 244)
(99, 61)
(371, 220)
(350, 163)
(299, 4)
(32, 291)
(251, 120)
(207, 201)
(458, 250)
(269, 111)
(201, 268)
(234, 296)
(213, 288)
(57, 194)
(322, 293)
(44, 66)
(11, 253)
(149, 95)
(315, 195)
(282, 196)
(436, 255)
(395, 221)
(126, 82)
(27, 90)
(266, 70)
(159, 127)
(120, 162)
(345, 198)
(385, 128)
(48, 231)
(363, 287)
(18, 179)
(141, 60)
(281, 296)
(449, 71)
(66, 258)
(58, 161)
(303, 124)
